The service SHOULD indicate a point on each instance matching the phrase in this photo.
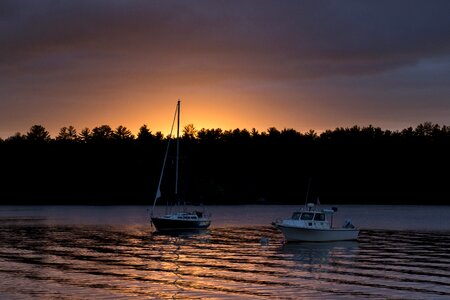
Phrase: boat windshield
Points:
(296, 216)
(307, 216)
(319, 217)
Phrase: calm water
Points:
(81, 252)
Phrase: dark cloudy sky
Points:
(234, 64)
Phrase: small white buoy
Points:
(264, 241)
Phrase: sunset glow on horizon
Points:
(256, 64)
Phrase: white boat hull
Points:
(299, 234)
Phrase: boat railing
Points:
(277, 221)
(348, 224)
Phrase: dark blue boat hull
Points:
(171, 224)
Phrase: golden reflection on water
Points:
(108, 262)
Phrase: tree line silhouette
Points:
(112, 166)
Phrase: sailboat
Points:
(182, 219)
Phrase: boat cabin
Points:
(182, 216)
(196, 215)
(312, 218)
(308, 216)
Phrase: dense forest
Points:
(345, 165)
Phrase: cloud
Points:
(333, 58)
(299, 39)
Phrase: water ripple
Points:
(108, 262)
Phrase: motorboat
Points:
(312, 224)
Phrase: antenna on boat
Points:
(158, 191)
(307, 191)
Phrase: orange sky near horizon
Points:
(202, 111)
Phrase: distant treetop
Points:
(38, 134)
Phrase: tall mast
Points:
(178, 147)
(158, 191)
